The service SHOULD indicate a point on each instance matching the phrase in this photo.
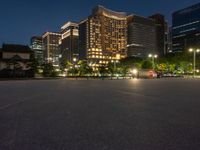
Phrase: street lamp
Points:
(74, 59)
(134, 72)
(153, 56)
(194, 59)
(115, 64)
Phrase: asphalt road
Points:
(65, 114)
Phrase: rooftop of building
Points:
(157, 15)
(36, 37)
(99, 9)
(187, 9)
(83, 21)
(69, 24)
(16, 48)
(140, 19)
(50, 33)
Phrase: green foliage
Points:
(124, 70)
(65, 64)
(49, 71)
(175, 63)
(33, 63)
(131, 62)
(73, 71)
(146, 64)
(84, 69)
(103, 70)
(79, 69)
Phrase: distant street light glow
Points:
(194, 60)
(135, 71)
(190, 50)
(150, 55)
(153, 56)
(74, 59)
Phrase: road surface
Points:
(63, 114)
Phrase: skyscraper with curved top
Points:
(106, 36)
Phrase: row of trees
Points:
(179, 63)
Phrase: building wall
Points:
(106, 36)
(37, 47)
(83, 39)
(186, 28)
(9, 55)
(15, 61)
(69, 41)
(4, 65)
(161, 31)
(141, 36)
(51, 47)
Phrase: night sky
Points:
(21, 19)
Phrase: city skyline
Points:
(26, 19)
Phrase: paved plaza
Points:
(161, 114)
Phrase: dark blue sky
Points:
(21, 19)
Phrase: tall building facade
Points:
(105, 35)
(141, 39)
(169, 40)
(161, 33)
(51, 52)
(186, 28)
(37, 47)
(83, 39)
(69, 41)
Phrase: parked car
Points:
(146, 73)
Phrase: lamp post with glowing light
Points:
(134, 73)
(194, 60)
(117, 58)
(153, 56)
(74, 64)
(74, 60)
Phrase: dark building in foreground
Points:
(37, 47)
(141, 37)
(161, 33)
(69, 41)
(51, 47)
(186, 28)
(15, 61)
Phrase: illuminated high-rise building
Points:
(105, 34)
(186, 28)
(37, 47)
(51, 47)
(69, 41)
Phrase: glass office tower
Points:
(186, 28)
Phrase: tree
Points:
(146, 64)
(73, 71)
(84, 68)
(111, 69)
(65, 64)
(49, 71)
(103, 70)
(131, 62)
(33, 64)
(124, 70)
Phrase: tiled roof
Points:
(16, 48)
